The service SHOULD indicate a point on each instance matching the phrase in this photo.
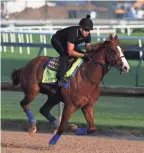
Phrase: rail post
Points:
(139, 64)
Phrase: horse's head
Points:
(113, 54)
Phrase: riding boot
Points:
(63, 61)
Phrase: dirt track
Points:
(21, 142)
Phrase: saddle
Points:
(51, 68)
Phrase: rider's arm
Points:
(72, 52)
(72, 36)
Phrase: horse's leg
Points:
(29, 97)
(45, 110)
(67, 112)
(88, 112)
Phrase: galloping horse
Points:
(82, 92)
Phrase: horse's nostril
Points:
(125, 67)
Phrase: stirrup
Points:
(62, 81)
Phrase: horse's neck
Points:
(93, 70)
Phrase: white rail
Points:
(98, 29)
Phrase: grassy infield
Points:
(110, 111)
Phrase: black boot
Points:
(61, 71)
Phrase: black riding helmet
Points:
(86, 23)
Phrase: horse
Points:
(82, 92)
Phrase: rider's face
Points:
(84, 32)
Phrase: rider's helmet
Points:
(86, 23)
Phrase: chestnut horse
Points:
(82, 92)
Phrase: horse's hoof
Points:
(54, 139)
(51, 147)
(33, 129)
(72, 127)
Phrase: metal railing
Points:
(97, 29)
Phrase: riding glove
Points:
(85, 57)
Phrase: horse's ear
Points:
(116, 37)
(110, 37)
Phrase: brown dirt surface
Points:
(21, 142)
(15, 139)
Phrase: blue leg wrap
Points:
(81, 131)
(50, 118)
(30, 116)
(54, 139)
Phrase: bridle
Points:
(112, 59)
(105, 65)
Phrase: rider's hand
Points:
(85, 57)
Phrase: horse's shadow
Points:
(102, 130)
(31, 147)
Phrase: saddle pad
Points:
(49, 75)
(53, 64)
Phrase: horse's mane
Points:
(96, 47)
(93, 47)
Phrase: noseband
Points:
(105, 65)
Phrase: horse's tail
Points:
(15, 77)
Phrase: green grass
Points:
(11, 61)
(110, 111)
(112, 78)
